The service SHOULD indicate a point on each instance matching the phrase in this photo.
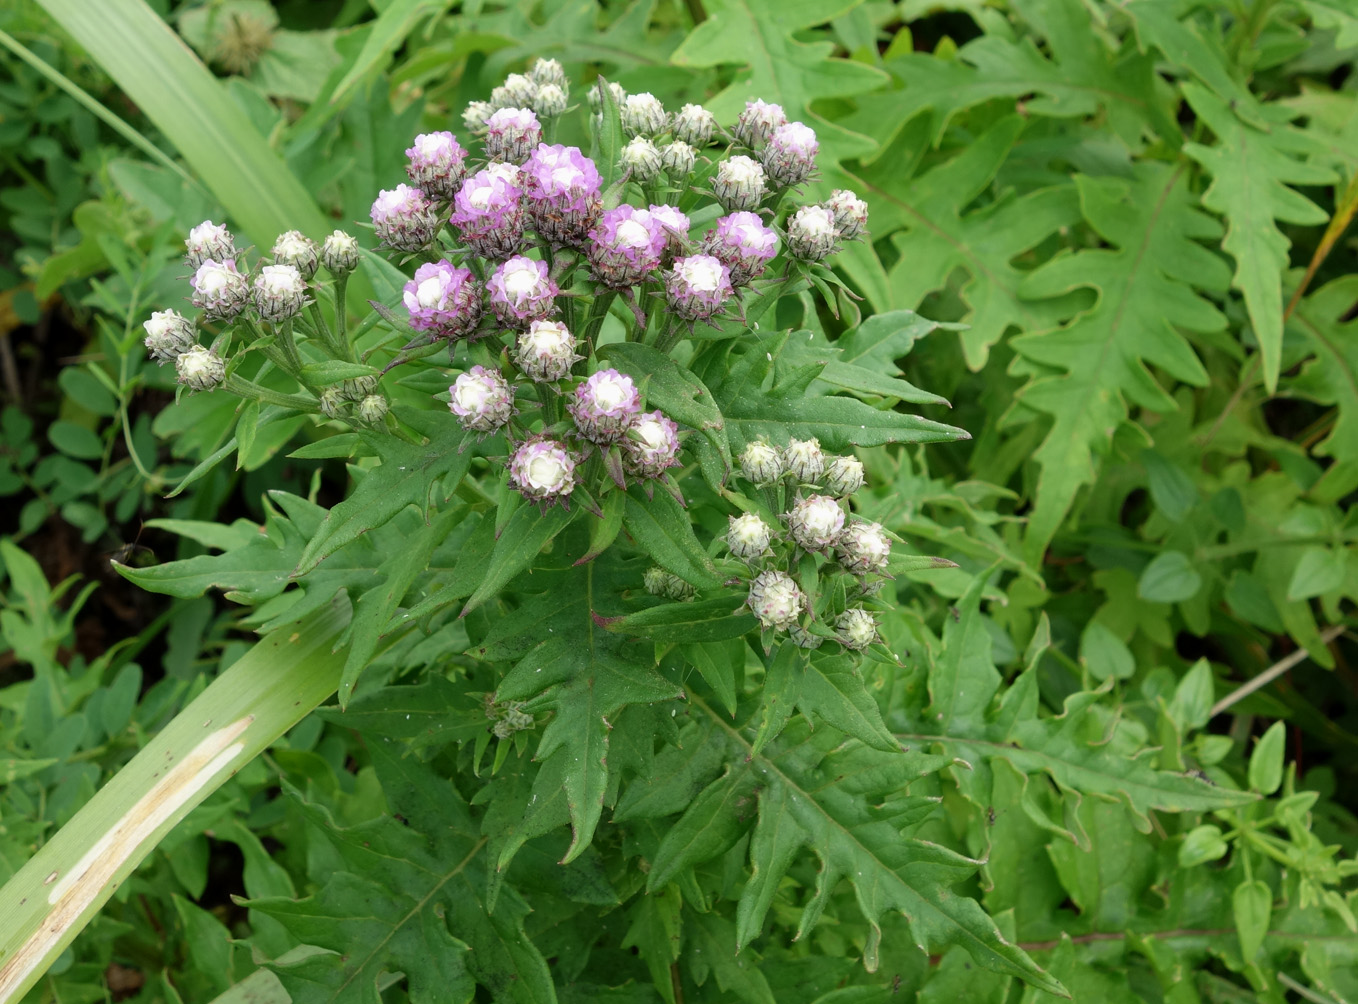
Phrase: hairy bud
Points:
(739, 184)
(761, 463)
(642, 115)
(803, 459)
(543, 470)
(757, 123)
(815, 522)
(296, 249)
(200, 368)
(603, 406)
(747, 536)
(339, 253)
(219, 290)
(844, 476)
(436, 164)
(169, 334)
(279, 292)
(696, 287)
(546, 351)
(863, 548)
(659, 582)
(512, 134)
(482, 400)
(775, 599)
(694, 125)
(850, 213)
(405, 219)
(857, 628)
(209, 242)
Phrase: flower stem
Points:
(594, 320)
(242, 387)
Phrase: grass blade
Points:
(56, 893)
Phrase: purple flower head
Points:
(543, 470)
(482, 400)
(625, 246)
(219, 289)
(443, 299)
(404, 218)
(561, 192)
(757, 123)
(743, 244)
(604, 405)
(696, 286)
(675, 223)
(511, 134)
(521, 291)
(437, 164)
(651, 444)
(816, 522)
(488, 212)
(789, 157)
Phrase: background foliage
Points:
(1131, 220)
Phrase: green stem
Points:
(594, 320)
(342, 313)
(242, 387)
(671, 335)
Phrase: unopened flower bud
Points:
(339, 253)
(651, 445)
(332, 403)
(857, 628)
(499, 98)
(677, 159)
(405, 219)
(358, 388)
(219, 290)
(482, 400)
(642, 115)
(546, 351)
(811, 233)
(850, 213)
(443, 300)
(815, 523)
(547, 72)
(550, 102)
(775, 599)
(641, 158)
(803, 638)
(168, 335)
(789, 157)
(373, 409)
(512, 134)
(209, 242)
(519, 90)
(522, 291)
(279, 293)
(747, 536)
(200, 368)
(844, 476)
(522, 88)
(757, 123)
(697, 286)
(659, 582)
(603, 406)
(475, 114)
(436, 164)
(694, 125)
(803, 459)
(863, 548)
(615, 89)
(739, 184)
(543, 470)
(761, 463)
(296, 249)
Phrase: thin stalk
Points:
(594, 320)
(1273, 672)
(242, 387)
(342, 314)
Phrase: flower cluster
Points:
(521, 265)
(817, 523)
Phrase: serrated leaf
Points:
(779, 68)
(1086, 374)
(663, 530)
(1251, 174)
(936, 238)
(522, 539)
(408, 899)
(405, 477)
